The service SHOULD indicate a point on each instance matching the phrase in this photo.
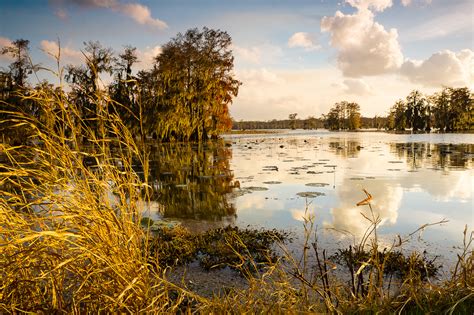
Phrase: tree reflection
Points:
(192, 180)
(440, 156)
(345, 148)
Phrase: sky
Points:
(295, 56)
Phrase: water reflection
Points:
(192, 181)
(349, 218)
(414, 179)
(440, 156)
(345, 147)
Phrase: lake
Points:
(270, 180)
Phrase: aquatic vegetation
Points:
(395, 263)
(67, 245)
(317, 184)
(310, 194)
(255, 188)
(242, 249)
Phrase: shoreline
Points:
(275, 131)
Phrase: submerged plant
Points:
(246, 250)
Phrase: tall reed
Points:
(70, 235)
(71, 240)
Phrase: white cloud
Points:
(376, 5)
(138, 12)
(259, 76)
(302, 39)
(407, 3)
(252, 54)
(61, 13)
(141, 14)
(364, 46)
(147, 57)
(5, 42)
(68, 55)
(268, 93)
(442, 68)
(258, 54)
(357, 87)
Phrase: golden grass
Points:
(71, 241)
(70, 238)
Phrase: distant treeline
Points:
(186, 94)
(449, 110)
(307, 123)
(183, 96)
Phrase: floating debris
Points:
(393, 162)
(356, 178)
(272, 182)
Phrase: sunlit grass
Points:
(71, 238)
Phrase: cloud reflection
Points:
(347, 217)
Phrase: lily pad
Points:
(310, 194)
(272, 182)
(161, 224)
(239, 193)
(156, 225)
(317, 184)
(256, 188)
(270, 168)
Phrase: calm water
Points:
(269, 180)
